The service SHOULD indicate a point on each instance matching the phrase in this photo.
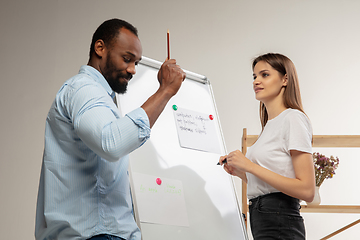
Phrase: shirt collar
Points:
(98, 77)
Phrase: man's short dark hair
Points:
(108, 31)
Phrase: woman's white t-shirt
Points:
(290, 130)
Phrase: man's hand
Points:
(170, 77)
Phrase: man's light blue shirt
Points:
(84, 184)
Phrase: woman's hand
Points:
(302, 186)
(236, 164)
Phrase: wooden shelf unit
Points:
(333, 141)
(331, 209)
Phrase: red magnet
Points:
(211, 117)
(158, 181)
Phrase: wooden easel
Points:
(333, 141)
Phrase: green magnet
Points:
(174, 107)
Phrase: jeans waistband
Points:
(105, 237)
(276, 199)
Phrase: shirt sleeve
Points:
(98, 123)
(298, 134)
(140, 118)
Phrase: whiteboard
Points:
(210, 201)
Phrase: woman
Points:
(278, 168)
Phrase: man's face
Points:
(121, 59)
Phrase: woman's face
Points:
(268, 83)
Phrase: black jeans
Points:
(105, 237)
(276, 216)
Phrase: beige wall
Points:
(44, 42)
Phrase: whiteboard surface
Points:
(211, 205)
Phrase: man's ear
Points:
(285, 80)
(99, 48)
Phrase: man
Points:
(84, 188)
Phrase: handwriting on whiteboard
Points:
(160, 203)
(191, 123)
(167, 189)
(197, 130)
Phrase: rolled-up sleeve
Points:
(124, 135)
(140, 118)
(97, 123)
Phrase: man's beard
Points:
(114, 82)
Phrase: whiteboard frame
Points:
(204, 80)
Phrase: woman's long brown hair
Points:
(291, 97)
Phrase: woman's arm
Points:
(302, 186)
